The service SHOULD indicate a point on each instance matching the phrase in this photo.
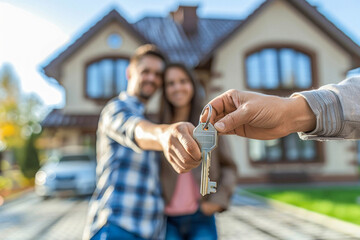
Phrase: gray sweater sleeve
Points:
(337, 111)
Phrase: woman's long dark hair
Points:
(167, 110)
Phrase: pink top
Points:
(185, 199)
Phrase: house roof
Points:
(190, 49)
(195, 49)
(316, 18)
(53, 68)
(329, 28)
(56, 118)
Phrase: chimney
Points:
(187, 17)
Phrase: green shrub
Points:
(28, 158)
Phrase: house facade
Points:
(281, 48)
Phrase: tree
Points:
(28, 158)
(9, 109)
(19, 120)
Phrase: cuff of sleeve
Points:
(130, 132)
(327, 109)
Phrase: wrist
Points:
(162, 132)
(148, 136)
(300, 116)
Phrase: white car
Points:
(74, 174)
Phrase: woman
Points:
(190, 216)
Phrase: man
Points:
(331, 112)
(127, 202)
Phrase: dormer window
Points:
(106, 78)
(280, 68)
(114, 41)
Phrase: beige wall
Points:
(74, 68)
(280, 23)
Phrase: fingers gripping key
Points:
(206, 136)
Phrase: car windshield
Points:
(71, 158)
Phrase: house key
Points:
(206, 136)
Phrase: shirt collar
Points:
(124, 96)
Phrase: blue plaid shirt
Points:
(128, 190)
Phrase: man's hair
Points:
(146, 50)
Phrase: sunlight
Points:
(27, 41)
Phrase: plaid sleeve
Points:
(118, 121)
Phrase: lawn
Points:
(339, 202)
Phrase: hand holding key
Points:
(179, 147)
(206, 136)
(260, 116)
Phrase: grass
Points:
(342, 203)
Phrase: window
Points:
(114, 40)
(106, 78)
(281, 70)
(72, 158)
(353, 73)
(283, 150)
(278, 68)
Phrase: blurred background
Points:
(61, 61)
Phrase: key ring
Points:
(208, 117)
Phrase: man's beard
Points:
(147, 96)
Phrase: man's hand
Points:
(175, 140)
(208, 208)
(260, 116)
(179, 147)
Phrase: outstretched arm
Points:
(260, 116)
(129, 128)
(330, 112)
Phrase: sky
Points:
(32, 32)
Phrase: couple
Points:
(137, 186)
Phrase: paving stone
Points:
(247, 219)
(71, 226)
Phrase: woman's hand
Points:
(208, 208)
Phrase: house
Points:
(282, 47)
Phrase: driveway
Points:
(31, 218)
